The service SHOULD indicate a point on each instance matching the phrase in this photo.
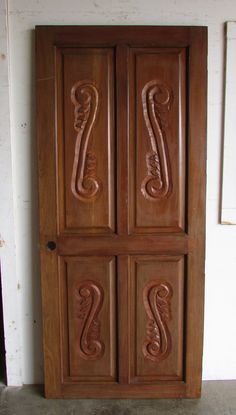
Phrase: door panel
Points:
(89, 306)
(86, 148)
(157, 303)
(121, 128)
(157, 140)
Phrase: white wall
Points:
(10, 282)
(220, 308)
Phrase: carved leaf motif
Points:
(156, 299)
(85, 185)
(89, 297)
(156, 100)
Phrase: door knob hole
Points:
(51, 245)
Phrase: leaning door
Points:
(121, 144)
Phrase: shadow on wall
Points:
(2, 342)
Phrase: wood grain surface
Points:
(121, 132)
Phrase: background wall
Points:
(220, 304)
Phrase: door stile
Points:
(46, 138)
(123, 319)
(122, 137)
(196, 204)
(122, 210)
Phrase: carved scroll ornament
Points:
(156, 298)
(156, 100)
(89, 296)
(85, 185)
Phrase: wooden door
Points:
(121, 125)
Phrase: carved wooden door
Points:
(121, 123)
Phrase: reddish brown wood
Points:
(196, 209)
(156, 319)
(122, 137)
(85, 140)
(157, 140)
(88, 287)
(121, 125)
(48, 231)
(123, 322)
(121, 244)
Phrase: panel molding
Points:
(157, 298)
(89, 296)
(156, 101)
(85, 185)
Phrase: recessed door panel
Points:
(157, 304)
(86, 147)
(157, 140)
(89, 318)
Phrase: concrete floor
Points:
(218, 398)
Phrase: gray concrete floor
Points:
(218, 398)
